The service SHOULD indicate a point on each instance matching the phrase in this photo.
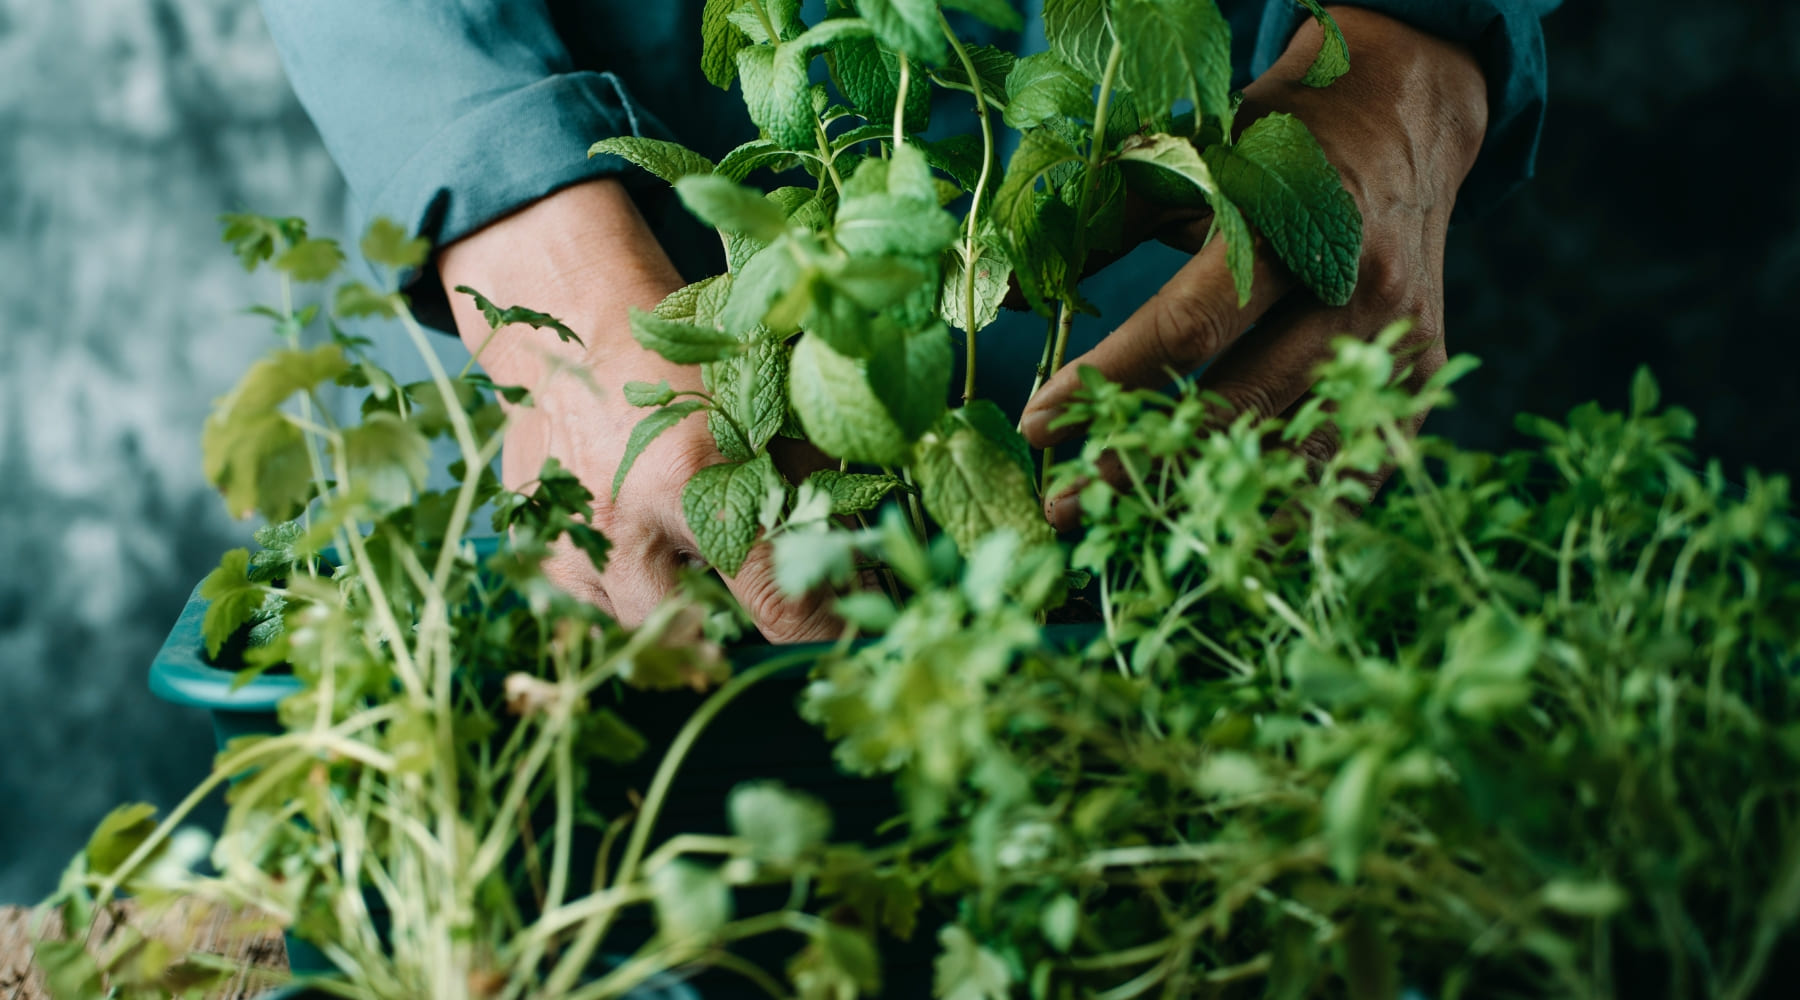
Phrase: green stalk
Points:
(562, 978)
(900, 102)
(971, 251)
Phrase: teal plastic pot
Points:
(759, 735)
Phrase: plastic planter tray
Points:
(759, 735)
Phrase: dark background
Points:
(1663, 228)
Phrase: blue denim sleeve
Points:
(1506, 36)
(444, 116)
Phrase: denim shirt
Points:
(447, 114)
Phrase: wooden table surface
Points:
(256, 948)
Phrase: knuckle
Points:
(1247, 397)
(1188, 329)
(1386, 278)
(780, 618)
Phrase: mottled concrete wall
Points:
(126, 127)
(1665, 226)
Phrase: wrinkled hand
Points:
(1403, 128)
(585, 256)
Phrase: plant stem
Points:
(900, 102)
(562, 979)
(972, 251)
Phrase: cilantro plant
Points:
(833, 321)
(430, 815)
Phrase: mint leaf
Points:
(781, 825)
(840, 412)
(911, 377)
(670, 161)
(388, 457)
(1174, 49)
(738, 163)
(497, 317)
(909, 26)
(973, 486)
(648, 430)
(387, 243)
(1175, 157)
(901, 218)
(854, 492)
(869, 76)
(1043, 86)
(992, 66)
(1078, 32)
(649, 394)
(956, 155)
(726, 205)
(720, 42)
(964, 970)
(682, 343)
(721, 503)
(998, 13)
(772, 274)
(783, 14)
(751, 390)
(310, 260)
(1036, 249)
(1281, 179)
(1333, 60)
(990, 421)
(777, 93)
(231, 599)
(992, 273)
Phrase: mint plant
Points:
(833, 321)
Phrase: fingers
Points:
(1194, 317)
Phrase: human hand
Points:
(585, 255)
(1403, 128)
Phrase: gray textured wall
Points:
(126, 127)
(1665, 226)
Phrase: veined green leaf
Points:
(738, 163)
(1280, 178)
(727, 205)
(669, 160)
(784, 15)
(870, 78)
(999, 13)
(1173, 156)
(839, 410)
(648, 430)
(992, 272)
(497, 317)
(973, 486)
(1078, 32)
(911, 376)
(992, 66)
(854, 492)
(1174, 49)
(721, 503)
(778, 94)
(1041, 87)
(909, 26)
(1034, 248)
(751, 390)
(720, 42)
(1333, 60)
(682, 343)
(771, 275)
(649, 393)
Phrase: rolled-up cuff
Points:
(501, 156)
(1507, 39)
